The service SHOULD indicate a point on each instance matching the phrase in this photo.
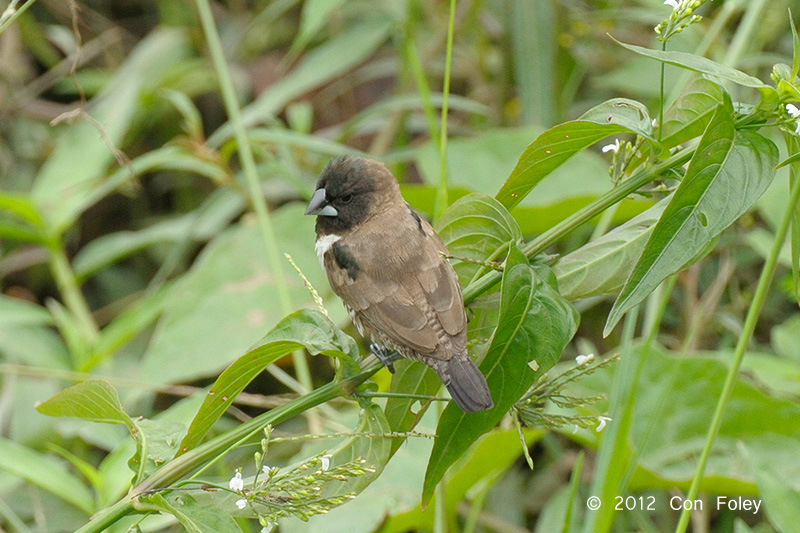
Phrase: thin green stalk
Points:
(661, 94)
(543, 241)
(614, 453)
(415, 66)
(251, 174)
(8, 18)
(441, 193)
(188, 463)
(762, 289)
(70, 289)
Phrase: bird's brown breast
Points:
(392, 276)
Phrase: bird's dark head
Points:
(350, 191)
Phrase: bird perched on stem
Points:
(388, 266)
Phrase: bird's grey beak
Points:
(319, 205)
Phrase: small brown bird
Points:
(386, 263)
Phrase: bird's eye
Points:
(346, 198)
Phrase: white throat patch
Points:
(324, 244)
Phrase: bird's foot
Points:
(385, 355)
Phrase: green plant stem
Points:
(188, 463)
(762, 289)
(441, 193)
(614, 453)
(543, 241)
(661, 94)
(251, 175)
(68, 286)
(415, 66)
(15, 15)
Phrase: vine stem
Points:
(762, 289)
(247, 160)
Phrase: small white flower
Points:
(241, 504)
(236, 483)
(266, 469)
(793, 111)
(326, 462)
(602, 421)
(269, 527)
(612, 147)
(674, 4)
(583, 359)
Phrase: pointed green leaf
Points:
(795, 48)
(372, 444)
(306, 328)
(156, 443)
(726, 175)
(477, 227)
(689, 115)
(42, 471)
(535, 324)
(603, 265)
(698, 64)
(192, 515)
(93, 400)
(410, 377)
(556, 145)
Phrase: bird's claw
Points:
(384, 355)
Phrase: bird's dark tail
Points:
(467, 385)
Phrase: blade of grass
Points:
(251, 174)
(762, 289)
(441, 192)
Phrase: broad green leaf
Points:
(410, 377)
(486, 461)
(477, 227)
(603, 265)
(226, 302)
(726, 175)
(689, 115)
(44, 472)
(482, 163)
(320, 65)
(156, 443)
(21, 207)
(15, 312)
(556, 145)
(698, 64)
(306, 328)
(675, 396)
(193, 516)
(780, 500)
(535, 324)
(79, 159)
(373, 445)
(93, 400)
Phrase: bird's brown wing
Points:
(412, 298)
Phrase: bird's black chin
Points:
(319, 205)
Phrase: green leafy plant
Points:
(213, 281)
